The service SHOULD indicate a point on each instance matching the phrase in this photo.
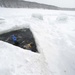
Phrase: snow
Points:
(16, 61)
(54, 33)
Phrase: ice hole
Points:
(24, 37)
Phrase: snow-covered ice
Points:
(16, 61)
(54, 33)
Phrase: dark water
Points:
(25, 39)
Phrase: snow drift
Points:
(16, 61)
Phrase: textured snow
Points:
(55, 38)
(16, 61)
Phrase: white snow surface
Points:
(54, 33)
(16, 61)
